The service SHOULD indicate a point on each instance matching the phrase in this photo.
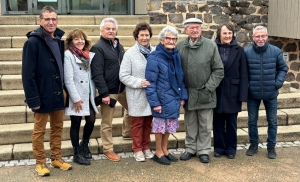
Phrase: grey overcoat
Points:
(79, 84)
(132, 72)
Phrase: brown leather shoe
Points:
(111, 155)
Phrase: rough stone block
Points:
(247, 11)
(221, 19)
(216, 10)
(204, 8)
(175, 18)
(290, 47)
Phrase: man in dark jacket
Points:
(42, 77)
(267, 71)
(105, 69)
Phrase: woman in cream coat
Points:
(81, 89)
(132, 74)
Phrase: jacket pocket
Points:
(234, 87)
(198, 97)
(204, 96)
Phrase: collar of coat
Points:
(197, 44)
(109, 41)
(39, 32)
(258, 49)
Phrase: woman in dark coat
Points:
(232, 91)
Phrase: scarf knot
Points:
(82, 55)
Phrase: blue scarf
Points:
(175, 73)
(145, 51)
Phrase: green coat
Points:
(203, 68)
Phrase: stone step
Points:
(90, 30)
(126, 41)
(24, 150)
(10, 67)
(21, 133)
(74, 20)
(16, 97)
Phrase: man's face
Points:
(193, 30)
(49, 22)
(109, 31)
(260, 37)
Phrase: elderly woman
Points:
(166, 92)
(132, 74)
(231, 92)
(81, 89)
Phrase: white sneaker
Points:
(139, 156)
(148, 154)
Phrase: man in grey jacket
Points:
(203, 71)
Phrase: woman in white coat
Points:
(81, 89)
(132, 74)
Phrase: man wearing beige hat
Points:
(203, 71)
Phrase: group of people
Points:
(209, 79)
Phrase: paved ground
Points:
(244, 168)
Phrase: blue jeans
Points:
(271, 111)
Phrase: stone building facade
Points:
(242, 13)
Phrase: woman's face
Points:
(144, 38)
(78, 42)
(225, 35)
(169, 41)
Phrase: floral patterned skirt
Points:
(161, 125)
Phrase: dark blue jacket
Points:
(160, 91)
(267, 70)
(233, 89)
(42, 82)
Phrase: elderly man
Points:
(105, 68)
(203, 71)
(267, 71)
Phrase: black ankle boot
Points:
(85, 149)
(78, 157)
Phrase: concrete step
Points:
(90, 30)
(21, 133)
(10, 67)
(12, 98)
(16, 97)
(24, 150)
(23, 115)
(126, 41)
(74, 20)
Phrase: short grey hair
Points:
(169, 29)
(259, 28)
(108, 20)
(48, 9)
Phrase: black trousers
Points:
(225, 133)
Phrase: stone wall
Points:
(243, 14)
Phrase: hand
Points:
(182, 102)
(157, 109)
(77, 106)
(205, 88)
(106, 100)
(145, 83)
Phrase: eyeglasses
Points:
(260, 36)
(48, 19)
(170, 38)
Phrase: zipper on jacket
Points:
(261, 74)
